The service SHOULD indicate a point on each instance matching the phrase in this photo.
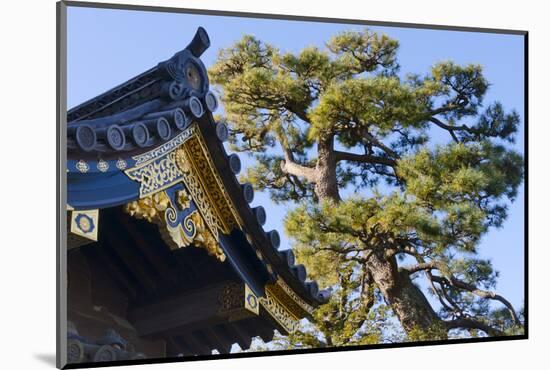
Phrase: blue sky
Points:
(107, 47)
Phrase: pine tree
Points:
(325, 122)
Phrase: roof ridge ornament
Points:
(184, 68)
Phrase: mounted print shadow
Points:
(288, 185)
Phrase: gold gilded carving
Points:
(197, 154)
(183, 199)
(158, 208)
(156, 175)
(237, 301)
(166, 147)
(150, 208)
(182, 235)
(199, 195)
(279, 312)
(204, 238)
(235, 297)
(184, 159)
(287, 296)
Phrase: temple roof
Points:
(132, 142)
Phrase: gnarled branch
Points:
(291, 167)
(467, 323)
(459, 284)
(420, 267)
(363, 158)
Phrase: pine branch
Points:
(420, 267)
(459, 284)
(467, 323)
(363, 158)
(291, 167)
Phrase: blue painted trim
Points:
(100, 190)
(241, 256)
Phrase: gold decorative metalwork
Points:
(102, 165)
(184, 200)
(251, 302)
(150, 208)
(158, 208)
(204, 238)
(121, 164)
(288, 321)
(237, 301)
(82, 166)
(166, 147)
(289, 298)
(156, 175)
(205, 184)
(198, 193)
(186, 159)
(85, 223)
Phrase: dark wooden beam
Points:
(241, 334)
(153, 252)
(218, 342)
(225, 332)
(205, 341)
(135, 262)
(165, 316)
(193, 310)
(174, 347)
(97, 255)
(261, 327)
(195, 345)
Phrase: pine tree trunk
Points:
(326, 186)
(405, 298)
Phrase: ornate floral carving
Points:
(289, 298)
(150, 208)
(181, 235)
(166, 147)
(200, 197)
(198, 156)
(183, 199)
(231, 297)
(185, 159)
(156, 175)
(205, 239)
(237, 302)
(279, 312)
(158, 208)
